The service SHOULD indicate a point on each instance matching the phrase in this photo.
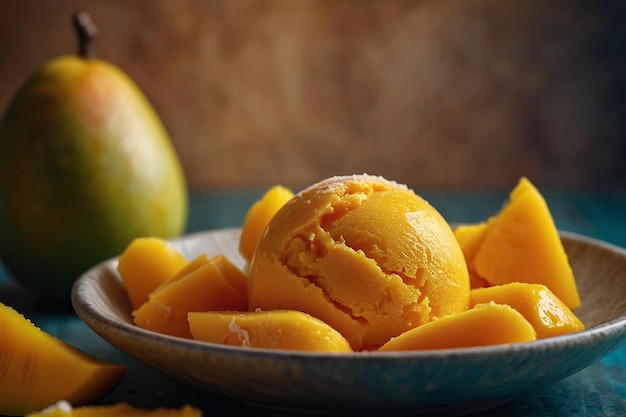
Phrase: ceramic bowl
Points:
(454, 381)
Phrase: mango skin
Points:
(86, 165)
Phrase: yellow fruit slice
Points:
(65, 409)
(483, 325)
(205, 284)
(145, 264)
(470, 237)
(274, 329)
(547, 314)
(258, 216)
(522, 244)
(37, 369)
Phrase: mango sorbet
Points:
(364, 254)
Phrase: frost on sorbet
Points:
(364, 254)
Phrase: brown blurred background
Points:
(432, 93)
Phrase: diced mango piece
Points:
(205, 284)
(234, 276)
(545, 311)
(191, 266)
(273, 329)
(483, 325)
(145, 264)
(37, 369)
(258, 216)
(470, 237)
(522, 244)
(65, 409)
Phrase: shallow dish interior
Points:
(459, 381)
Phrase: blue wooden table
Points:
(599, 390)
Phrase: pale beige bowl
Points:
(454, 381)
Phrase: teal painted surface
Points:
(599, 390)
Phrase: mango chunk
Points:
(470, 238)
(483, 325)
(521, 244)
(548, 315)
(65, 409)
(273, 329)
(205, 284)
(258, 217)
(38, 369)
(145, 264)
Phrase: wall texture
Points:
(471, 93)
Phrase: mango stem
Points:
(87, 32)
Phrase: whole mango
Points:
(86, 165)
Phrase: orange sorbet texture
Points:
(364, 254)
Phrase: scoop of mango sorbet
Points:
(364, 254)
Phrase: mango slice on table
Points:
(145, 264)
(205, 284)
(38, 369)
(258, 216)
(65, 409)
(273, 329)
(544, 311)
(521, 244)
(483, 325)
